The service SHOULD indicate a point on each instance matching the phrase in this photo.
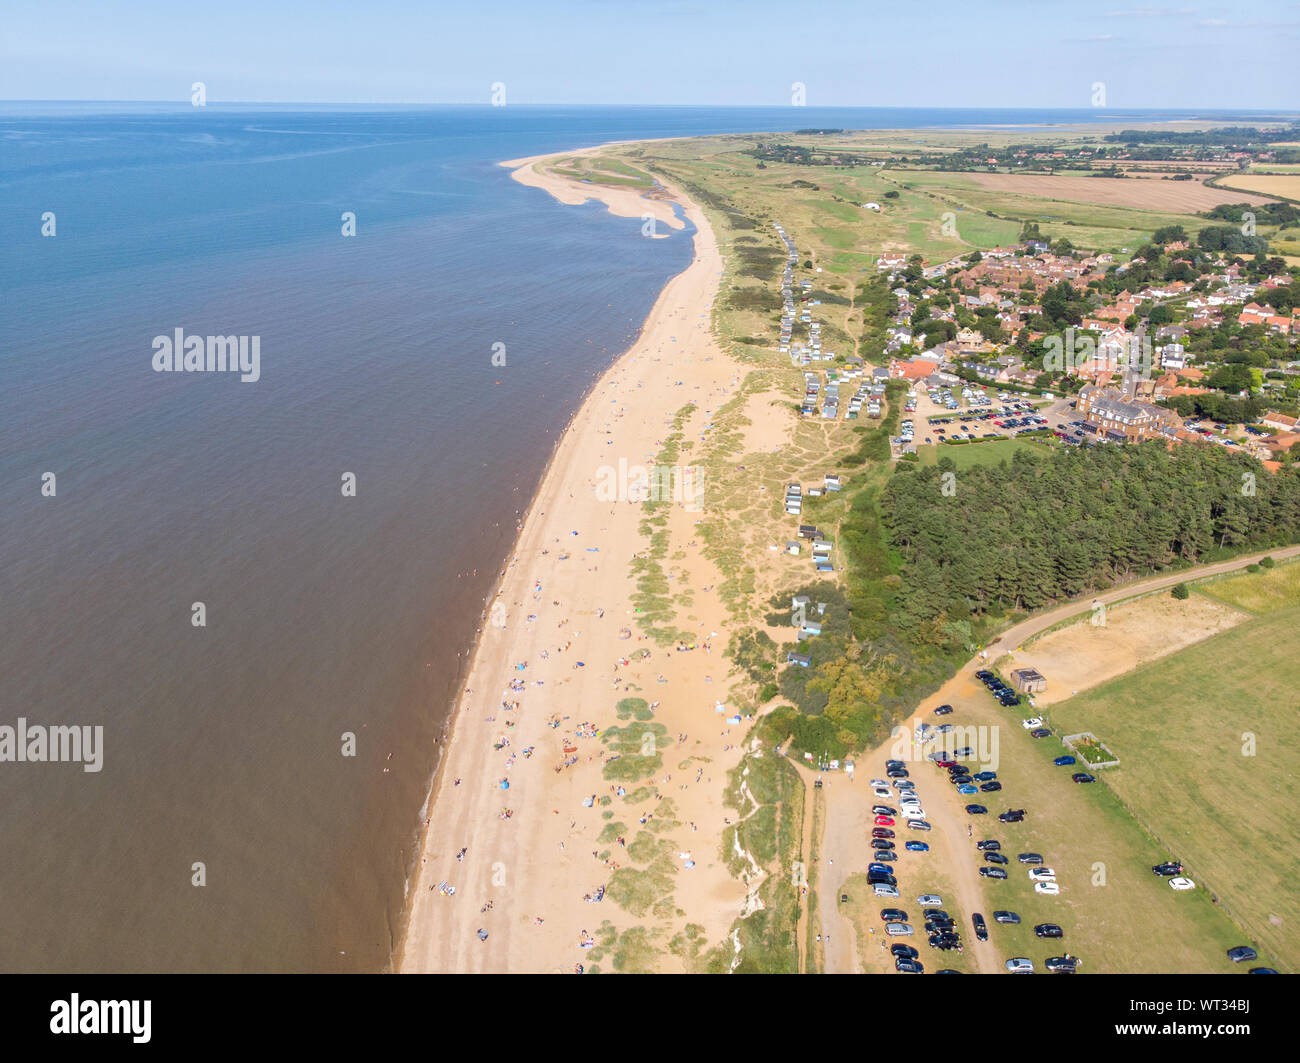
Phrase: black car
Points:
(976, 810)
(949, 970)
(893, 915)
(995, 786)
(1006, 917)
(988, 846)
(844, 898)
(1040, 732)
(1030, 858)
(884, 810)
(1013, 815)
(981, 927)
(1241, 952)
(1048, 930)
(906, 951)
(965, 751)
(908, 966)
(983, 673)
(1062, 964)
(881, 843)
(896, 773)
(943, 710)
(985, 776)
(881, 877)
(1168, 870)
(993, 872)
(1083, 776)
(892, 764)
(885, 856)
(996, 858)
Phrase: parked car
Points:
(1031, 723)
(918, 824)
(1062, 762)
(899, 930)
(993, 872)
(881, 832)
(1020, 965)
(1240, 953)
(908, 966)
(884, 821)
(976, 810)
(916, 847)
(1062, 964)
(1170, 867)
(1013, 815)
(1040, 732)
(985, 776)
(893, 915)
(930, 900)
(988, 845)
(884, 810)
(1006, 917)
(992, 787)
(1048, 930)
(905, 951)
(880, 791)
(882, 889)
(1050, 888)
(1041, 874)
(967, 788)
(981, 928)
(996, 858)
(1181, 883)
(1030, 858)
(943, 710)
(881, 843)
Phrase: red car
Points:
(884, 821)
(946, 763)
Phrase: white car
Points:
(881, 792)
(913, 812)
(930, 900)
(1181, 884)
(1031, 723)
(1051, 889)
(879, 782)
(1042, 874)
(1020, 965)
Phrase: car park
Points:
(1050, 889)
(1048, 930)
(1006, 917)
(1020, 965)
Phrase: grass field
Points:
(1176, 197)
(1257, 592)
(970, 454)
(1207, 762)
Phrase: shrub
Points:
(1266, 562)
(769, 691)
(1181, 592)
(1253, 568)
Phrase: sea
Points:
(261, 593)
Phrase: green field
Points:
(1207, 762)
(1259, 592)
(988, 453)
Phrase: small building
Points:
(1028, 680)
(801, 659)
(792, 547)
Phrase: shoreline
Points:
(438, 932)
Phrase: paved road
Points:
(944, 806)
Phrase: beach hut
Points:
(792, 547)
(801, 659)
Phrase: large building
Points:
(1118, 418)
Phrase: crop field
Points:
(1172, 197)
(1284, 186)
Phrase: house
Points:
(1113, 416)
(916, 369)
(1028, 680)
(1281, 421)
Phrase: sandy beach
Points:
(558, 651)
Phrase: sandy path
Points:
(539, 862)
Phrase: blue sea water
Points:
(325, 614)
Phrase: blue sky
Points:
(995, 53)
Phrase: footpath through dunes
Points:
(525, 826)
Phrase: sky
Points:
(857, 53)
